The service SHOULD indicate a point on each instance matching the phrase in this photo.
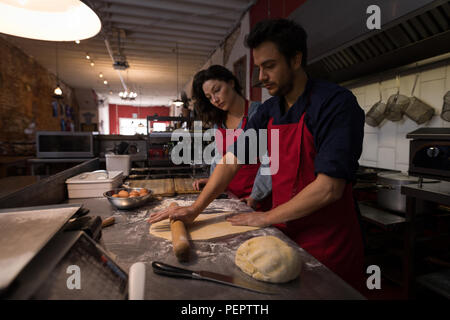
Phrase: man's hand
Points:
(199, 183)
(250, 202)
(185, 214)
(253, 219)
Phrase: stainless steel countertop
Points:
(129, 241)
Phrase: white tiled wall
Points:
(386, 146)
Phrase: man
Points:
(321, 132)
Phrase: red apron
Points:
(242, 184)
(331, 234)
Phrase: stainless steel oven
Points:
(429, 154)
(61, 144)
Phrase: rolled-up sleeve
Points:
(339, 133)
(262, 186)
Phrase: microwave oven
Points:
(62, 144)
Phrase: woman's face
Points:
(221, 94)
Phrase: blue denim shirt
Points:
(262, 186)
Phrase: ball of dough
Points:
(268, 258)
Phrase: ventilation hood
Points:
(342, 48)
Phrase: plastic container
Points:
(118, 162)
(93, 184)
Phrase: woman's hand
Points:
(253, 219)
(250, 202)
(185, 214)
(197, 184)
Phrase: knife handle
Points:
(165, 269)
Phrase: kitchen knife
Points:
(168, 270)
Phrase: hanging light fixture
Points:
(177, 102)
(127, 95)
(62, 20)
(57, 93)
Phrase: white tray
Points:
(93, 184)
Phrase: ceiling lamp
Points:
(127, 95)
(62, 20)
(57, 93)
(177, 102)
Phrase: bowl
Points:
(127, 203)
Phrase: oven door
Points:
(430, 159)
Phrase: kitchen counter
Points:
(416, 195)
(129, 241)
(13, 184)
(436, 192)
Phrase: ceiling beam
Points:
(133, 29)
(193, 8)
(160, 22)
(216, 17)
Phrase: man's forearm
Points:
(318, 194)
(217, 183)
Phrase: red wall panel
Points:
(269, 9)
(124, 111)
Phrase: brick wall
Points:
(26, 90)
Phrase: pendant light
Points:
(62, 20)
(57, 93)
(177, 102)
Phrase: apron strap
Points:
(302, 120)
(245, 118)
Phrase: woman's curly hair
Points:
(204, 109)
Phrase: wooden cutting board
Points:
(159, 187)
(184, 186)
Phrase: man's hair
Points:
(287, 35)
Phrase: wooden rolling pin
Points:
(180, 240)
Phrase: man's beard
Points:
(286, 87)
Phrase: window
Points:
(130, 126)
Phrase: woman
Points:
(219, 102)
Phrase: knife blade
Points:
(168, 270)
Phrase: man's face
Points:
(275, 73)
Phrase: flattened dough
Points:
(268, 258)
(204, 227)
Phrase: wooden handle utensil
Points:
(107, 222)
(180, 240)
